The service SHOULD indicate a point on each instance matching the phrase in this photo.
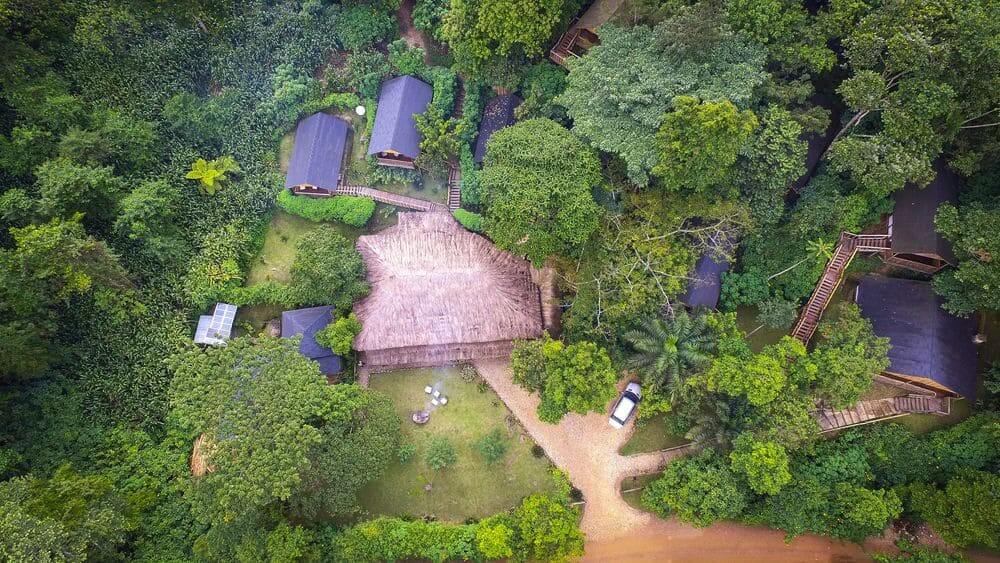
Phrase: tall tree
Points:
(698, 144)
(922, 77)
(538, 180)
(481, 31)
(973, 228)
(618, 94)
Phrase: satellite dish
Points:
(360, 110)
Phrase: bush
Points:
(428, 15)
(492, 446)
(444, 82)
(440, 453)
(471, 195)
(339, 335)
(394, 539)
(469, 220)
(406, 452)
(363, 25)
(365, 71)
(354, 211)
(406, 60)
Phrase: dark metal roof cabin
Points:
(499, 113)
(930, 347)
(915, 242)
(317, 156)
(704, 289)
(308, 322)
(395, 140)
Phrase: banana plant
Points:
(212, 175)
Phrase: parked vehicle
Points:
(626, 405)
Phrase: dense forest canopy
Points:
(140, 167)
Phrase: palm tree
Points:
(666, 351)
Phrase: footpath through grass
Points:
(470, 488)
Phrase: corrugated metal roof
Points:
(308, 322)
(318, 152)
(913, 217)
(400, 99)
(499, 113)
(926, 340)
(704, 289)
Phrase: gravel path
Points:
(586, 447)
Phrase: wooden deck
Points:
(390, 198)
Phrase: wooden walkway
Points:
(833, 275)
(875, 410)
(390, 198)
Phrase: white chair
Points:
(436, 393)
(444, 400)
(434, 402)
(427, 389)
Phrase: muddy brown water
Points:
(669, 540)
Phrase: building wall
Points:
(427, 356)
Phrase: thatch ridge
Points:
(435, 284)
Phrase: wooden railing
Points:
(389, 198)
(454, 188)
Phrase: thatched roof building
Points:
(441, 294)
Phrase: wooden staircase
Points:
(454, 188)
(848, 245)
(563, 48)
(875, 410)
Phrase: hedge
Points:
(354, 211)
(393, 539)
(469, 220)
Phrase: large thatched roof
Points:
(436, 284)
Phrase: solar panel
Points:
(217, 328)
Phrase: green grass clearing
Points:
(469, 488)
(651, 436)
(634, 497)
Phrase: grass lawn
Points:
(746, 318)
(651, 436)
(469, 488)
(634, 498)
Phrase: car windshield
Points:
(623, 409)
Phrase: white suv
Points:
(625, 407)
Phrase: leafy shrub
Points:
(428, 15)
(388, 175)
(406, 60)
(354, 211)
(541, 84)
(440, 453)
(492, 446)
(339, 335)
(471, 194)
(365, 71)
(469, 220)
(444, 82)
(406, 452)
(362, 25)
(394, 539)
